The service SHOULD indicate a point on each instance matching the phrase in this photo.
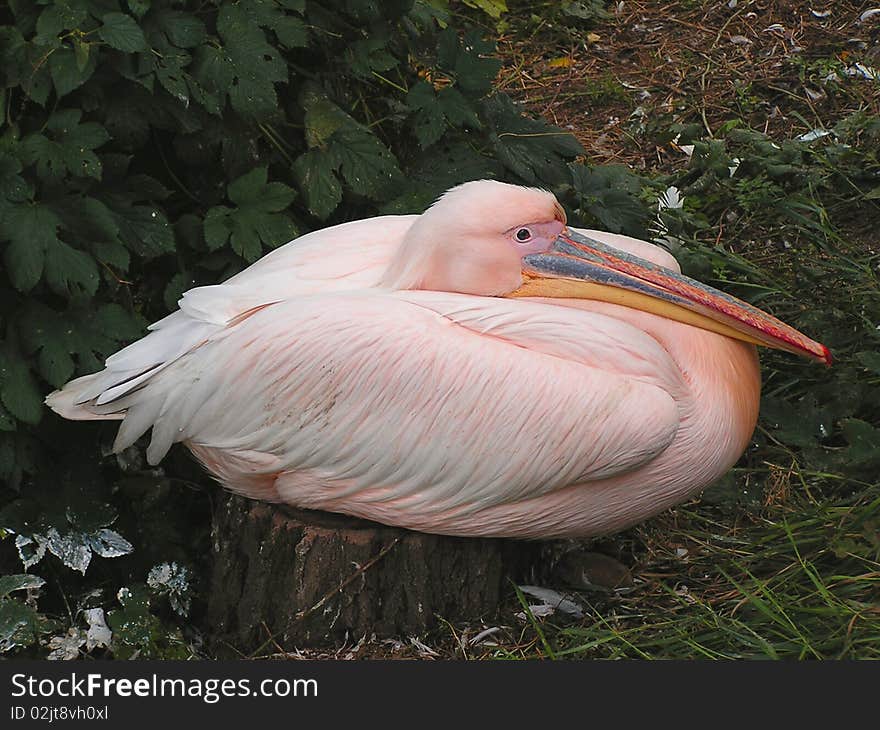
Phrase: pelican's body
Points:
(342, 372)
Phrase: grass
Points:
(782, 558)
(780, 587)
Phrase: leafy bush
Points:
(812, 201)
(148, 146)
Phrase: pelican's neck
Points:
(437, 257)
(411, 258)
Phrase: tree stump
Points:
(286, 578)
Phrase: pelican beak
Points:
(579, 267)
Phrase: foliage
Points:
(802, 196)
(147, 146)
(780, 558)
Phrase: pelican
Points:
(481, 369)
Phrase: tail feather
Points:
(68, 402)
(122, 391)
(101, 396)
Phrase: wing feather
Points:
(433, 401)
(358, 253)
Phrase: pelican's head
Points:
(473, 238)
(489, 238)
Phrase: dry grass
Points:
(651, 64)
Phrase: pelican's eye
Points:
(534, 237)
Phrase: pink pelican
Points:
(481, 369)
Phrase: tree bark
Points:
(285, 578)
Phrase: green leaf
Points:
(245, 235)
(53, 362)
(438, 170)
(532, 149)
(253, 190)
(428, 121)
(803, 423)
(340, 143)
(457, 109)
(247, 188)
(870, 360)
(139, 7)
(322, 119)
(96, 219)
(257, 66)
(121, 32)
(81, 52)
(31, 230)
(35, 249)
(369, 55)
(291, 32)
(137, 632)
(20, 625)
(610, 194)
(493, 8)
(367, 165)
(172, 77)
(35, 80)
(69, 271)
(59, 17)
(213, 69)
(46, 154)
(89, 135)
(174, 289)
(12, 185)
(18, 582)
(182, 29)
(68, 148)
(18, 389)
(864, 444)
(218, 227)
(470, 61)
(135, 629)
(255, 221)
(89, 336)
(585, 9)
(317, 182)
(433, 111)
(92, 226)
(112, 323)
(144, 229)
(70, 68)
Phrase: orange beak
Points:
(580, 267)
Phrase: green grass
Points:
(781, 587)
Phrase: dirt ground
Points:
(776, 64)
